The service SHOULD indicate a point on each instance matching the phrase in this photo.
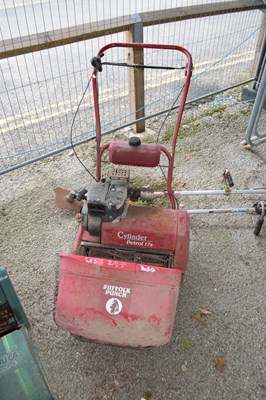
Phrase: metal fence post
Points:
(259, 43)
(136, 76)
(249, 93)
(252, 137)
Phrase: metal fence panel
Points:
(40, 91)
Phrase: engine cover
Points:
(106, 202)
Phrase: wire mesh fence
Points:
(40, 91)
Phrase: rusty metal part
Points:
(62, 201)
(158, 258)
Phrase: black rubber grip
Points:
(258, 226)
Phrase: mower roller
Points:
(121, 283)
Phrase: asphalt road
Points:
(55, 14)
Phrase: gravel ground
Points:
(225, 275)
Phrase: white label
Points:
(134, 240)
(118, 291)
(147, 269)
(113, 306)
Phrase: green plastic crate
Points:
(11, 311)
(22, 376)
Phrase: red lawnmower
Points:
(121, 283)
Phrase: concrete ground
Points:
(223, 358)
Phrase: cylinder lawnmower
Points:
(120, 285)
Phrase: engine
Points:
(105, 202)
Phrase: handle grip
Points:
(258, 226)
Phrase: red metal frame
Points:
(170, 156)
(88, 285)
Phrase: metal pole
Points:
(222, 211)
(220, 192)
(151, 195)
(257, 139)
(261, 48)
